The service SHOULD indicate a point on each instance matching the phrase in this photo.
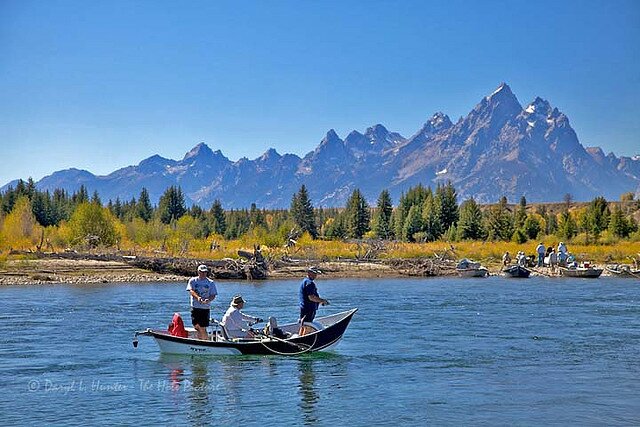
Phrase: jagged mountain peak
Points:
(499, 148)
(330, 139)
(539, 106)
(331, 135)
(502, 96)
(491, 114)
(270, 154)
(200, 150)
(376, 130)
(154, 160)
(503, 90)
(439, 121)
(377, 134)
(353, 135)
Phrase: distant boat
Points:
(468, 268)
(623, 270)
(517, 271)
(585, 270)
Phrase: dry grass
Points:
(215, 247)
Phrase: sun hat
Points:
(237, 300)
(314, 270)
(203, 267)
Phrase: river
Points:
(442, 351)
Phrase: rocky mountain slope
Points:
(499, 148)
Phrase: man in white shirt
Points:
(235, 321)
(203, 291)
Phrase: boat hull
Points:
(587, 273)
(517, 271)
(624, 271)
(321, 340)
(473, 272)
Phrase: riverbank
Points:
(41, 271)
(82, 271)
(73, 271)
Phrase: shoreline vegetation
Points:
(74, 238)
(24, 267)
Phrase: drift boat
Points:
(326, 332)
(517, 271)
(585, 271)
(623, 270)
(468, 268)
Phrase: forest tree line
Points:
(30, 218)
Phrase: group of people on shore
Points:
(545, 256)
(203, 292)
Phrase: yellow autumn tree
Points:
(19, 228)
(92, 225)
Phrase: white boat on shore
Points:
(585, 270)
(468, 268)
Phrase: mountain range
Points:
(499, 148)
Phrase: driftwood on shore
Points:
(253, 266)
(250, 266)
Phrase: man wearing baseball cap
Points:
(309, 298)
(203, 291)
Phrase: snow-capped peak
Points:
(437, 122)
(538, 111)
(502, 88)
(199, 150)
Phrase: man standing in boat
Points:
(203, 291)
(309, 299)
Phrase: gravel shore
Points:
(54, 271)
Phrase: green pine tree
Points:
(358, 215)
(470, 224)
(302, 212)
(171, 206)
(143, 209)
(218, 220)
(382, 220)
(449, 211)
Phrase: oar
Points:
(301, 347)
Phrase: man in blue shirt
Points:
(309, 298)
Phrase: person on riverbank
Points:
(235, 321)
(202, 291)
(563, 253)
(506, 259)
(553, 261)
(309, 299)
(540, 250)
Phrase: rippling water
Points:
(442, 351)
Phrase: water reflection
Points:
(200, 412)
(223, 389)
(309, 395)
(189, 382)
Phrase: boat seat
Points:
(222, 331)
(191, 331)
(314, 325)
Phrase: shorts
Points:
(200, 316)
(308, 315)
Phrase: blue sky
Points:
(102, 85)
